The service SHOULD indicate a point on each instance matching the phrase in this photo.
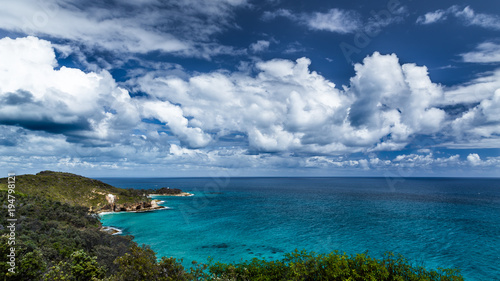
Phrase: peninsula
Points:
(77, 190)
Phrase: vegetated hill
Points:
(73, 189)
(56, 238)
(51, 236)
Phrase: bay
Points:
(435, 222)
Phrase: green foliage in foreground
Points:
(141, 264)
(305, 265)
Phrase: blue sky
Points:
(250, 88)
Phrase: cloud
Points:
(294, 47)
(276, 112)
(335, 20)
(476, 122)
(36, 96)
(432, 17)
(480, 88)
(411, 164)
(267, 15)
(397, 101)
(467, 15)
(472, 144)
(487, 52)
(482, 120)
(483, 20)
(173, 116)
(287, 107)
(84, 107)
(180, 27)
(342, 21)
(260, 46)
(283, 105)
(474, 159)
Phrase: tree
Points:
(32, 265)
(84, 267)
(139, 264)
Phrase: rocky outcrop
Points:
(132, 207)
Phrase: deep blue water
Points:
(437, 222)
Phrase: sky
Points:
(162, 88)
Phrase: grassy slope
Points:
(72, 189)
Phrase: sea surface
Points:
(435, 222)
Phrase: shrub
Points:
(303, 265)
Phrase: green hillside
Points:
(72, 189)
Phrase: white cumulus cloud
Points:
(398, 101)
(276, 112)
(286, 106)
(474, 159)
(37, 96)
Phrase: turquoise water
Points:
(435, 222)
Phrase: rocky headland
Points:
(75, 190)
(132, 207)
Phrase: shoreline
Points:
(182, 194)
(141, 211)
(111, 230)
(153, 207)
(116, 231)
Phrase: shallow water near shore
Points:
(435, 222)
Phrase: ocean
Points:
(434, 222)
